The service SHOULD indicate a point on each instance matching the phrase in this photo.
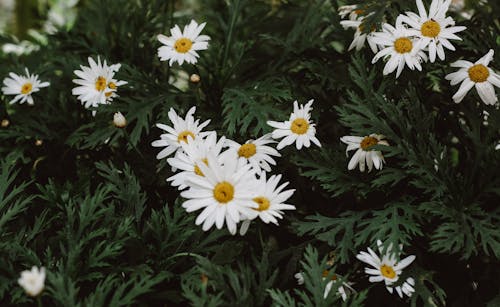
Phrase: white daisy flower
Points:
(342, 290)
(434, 29)
(225, 191)
(97, 84)
(270, 199)
(182, 46)
(364, 154)
(33, 281)
(192, 151)
(182, 129)
(476, 74)
(360, 36)
(399, 45)
(298, 128)
(22, 87)
(256, 152)
(406, 288)
(386, 268)
(350, 10)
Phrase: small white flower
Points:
(386, 268)
(364, 154)
(180, 132)
(119, 120)
(300, 278)
(434, 29)
(342, 290)
(359, 36)
(350, 10)
(477, 75)
(182, 46)
(398, 44)
(97, 84)
(299, 128)
(225, 192)
(22, 87)
(270, 199)
(406, 288)
(33, 281)
(256, 152)
(193, 151)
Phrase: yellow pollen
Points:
(367, 142)
(247, 150)
(359, 12)
(299, 126)
(478, 73)
(112, 86)
(100, 84)
(263, 203)
(387, 271)
(108, 94)
(430, 28)
(183, 136)
(183, 45)
(26, 88)
(325, 274)
(403, 45)
(224, 192)
(197, 168)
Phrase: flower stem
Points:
(234, 16)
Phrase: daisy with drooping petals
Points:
(386, 268)
(364, 154)
(434, 29)
(225, 192)
(182, 46)
(180, 132)
(476, 74)
(22, 87)
(256, 152)
(405, 289)
(360, 36)
(97, 84)
(350, 10)
(298, 128)
(399, 45)
(192, 151)
(33, 282)
(343, 289)
(270, 199)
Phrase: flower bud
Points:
(5, 123)
(119, 120)
(33, 281)
(38, 143)
(194, 78)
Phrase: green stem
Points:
(234, 16)
(170, 14)
(39, 301)
(127, 137)
(185, 254)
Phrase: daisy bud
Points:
(33, 281)
(119, 120)
(204, 279)
(5, 123)
(194, 78)
(38, 143)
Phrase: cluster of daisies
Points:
(387, 268)
(422, 36)
(229, 180)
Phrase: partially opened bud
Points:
(5, 123)
(194, 78)
(33, 281)
(119, 120)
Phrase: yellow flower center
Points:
(430, 28)
(367, 142)
(263, 203)
(100, 84)
(247, 150)
(224, 192)
(183, 136)
(112, 85)
(478, 73)
(359, 12)
(183, 45)
(197, 168)
(387, 271)
(326, 272)
(299, 126)
(362, 28)
(26, 88)
(403, 45)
